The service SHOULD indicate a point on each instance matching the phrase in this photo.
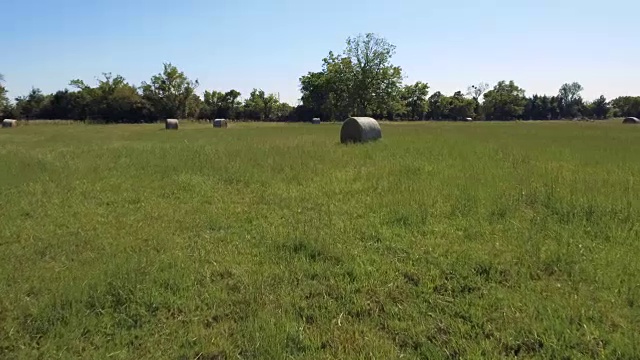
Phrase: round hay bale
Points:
(631, 120)
(9, 123)
(360, 129)
(315, 121)
(171, 124)
(220, 123)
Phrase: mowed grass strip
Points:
(443, 240)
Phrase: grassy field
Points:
(273, 241)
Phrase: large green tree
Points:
(376, 81)
(414, 98)
(456, 107)
(438, 105)
(461, 107)
(261, 105)
(230, 104)
(571, 99)
(626, 106)
(112, 100)
(600, 108)
(596, 109)
(221, 105)
(32, 105)
(541, 107)
(361, 81)
(65, 104)
(169, 93)
(538, 107)
(212, 102)
(283, 112)
(194, 106)
(316, 95)
(328, 93)
(506, 101)
(4, 99)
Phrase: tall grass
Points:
(443, 240)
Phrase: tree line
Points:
(361, 81)
(169, 94)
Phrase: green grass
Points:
(272, 241)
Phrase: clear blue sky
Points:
(244, 44)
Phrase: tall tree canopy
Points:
(169, 92)
(261, 105)
(361, 81)
(571, 100)
(461, 107)
(505, 101)
(4, 99)
(32, 105)
(627, 106)
(600, 108)
(113, 100)
(414, 98)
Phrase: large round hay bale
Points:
(631, 120)
(220, 123)
(315, 121)
(171, 124)
(360, 129)
(9, 123)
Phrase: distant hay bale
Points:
(9, 123)
(171, 124)
(315, 121)
(220, 123)
(360, 129)
(631, 120)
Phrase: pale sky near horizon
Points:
(242, 44)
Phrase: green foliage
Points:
(443, 241)
(328, 94)
(230, 105)
(4, 100)
(456, 107)
(218, 105)
(542, 108)
(627, 106)
(32, 105)
(438, 106)
(169, 93)
(261, 106)
(414, 99)
(571, 102)
(194, 107)
(361, 81)
(283, 112)
(75, 105)
(599, 109)
(506, 101)
(212, 103)
(113, 100)
(376, 81)
(316, 95)
(460, 107)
